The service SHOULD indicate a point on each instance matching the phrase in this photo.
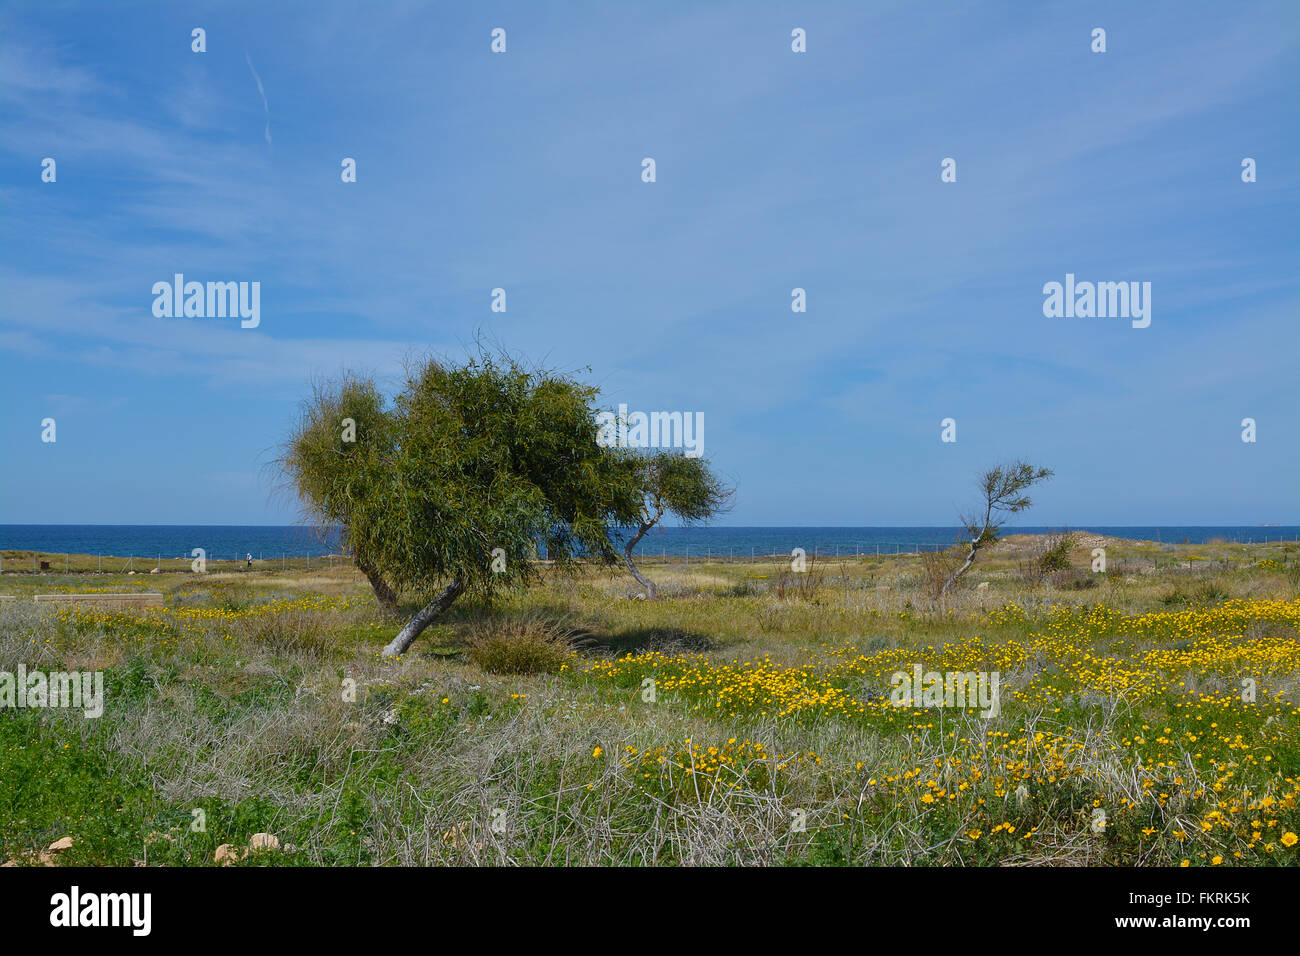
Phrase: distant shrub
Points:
(1055, 555)
(522, 645)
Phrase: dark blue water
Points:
(222, 542)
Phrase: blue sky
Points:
(775, 170)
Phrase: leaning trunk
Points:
(970, 559)
(423, 618)
(385, 595)
(644, 581)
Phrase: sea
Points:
(222, 542)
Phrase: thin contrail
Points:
(262, 90)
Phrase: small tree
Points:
(333, 459)
(1003, 487)
(1054, 552)
(669, 482)
(470, 469)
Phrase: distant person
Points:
(249, 559)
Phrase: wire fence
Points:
(52, 562)
(14, 561)
(139, 563)
(878, 549)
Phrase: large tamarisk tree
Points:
(1003, 488)
(474, 466)
(333, 458)
(670, 482)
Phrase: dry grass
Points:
(520, 645)
(497, 755)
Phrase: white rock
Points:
(225, 854)
(264, 841)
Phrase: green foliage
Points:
(467, 460)
(56, 785)
(330, 473)
(1003, 487)
(1056, 556)
(427, 718)
(673, 483)
(670, 482)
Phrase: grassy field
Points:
(743, 718)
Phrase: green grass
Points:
(248, 715)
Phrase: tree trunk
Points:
(970, 559)
(423, 618)
(644, 581)
(976, 543)
(385, 595)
